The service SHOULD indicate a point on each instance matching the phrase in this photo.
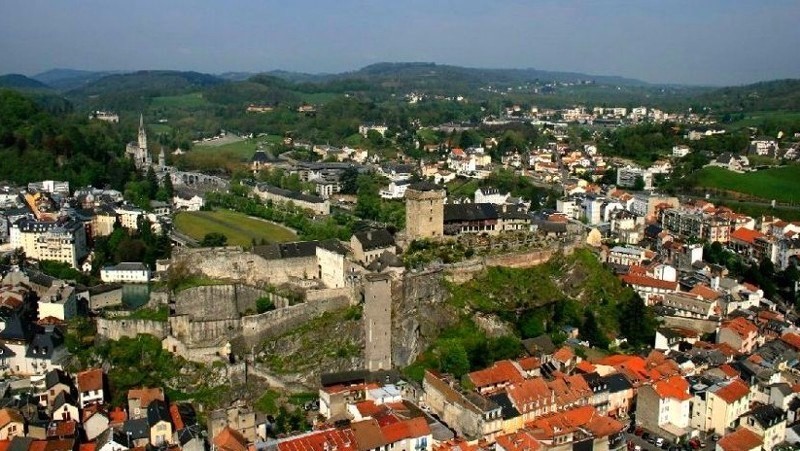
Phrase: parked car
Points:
(652, 439)
(658, 442)
(639, 431)
(646, 436)
(715, 437)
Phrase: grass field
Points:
(240, 229)
(241, 150)
(781, 184)
(193, 100)
(757, 118)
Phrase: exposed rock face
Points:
(419, 312)
(492, 325)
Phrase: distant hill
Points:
(422, 75)
(68, 79)
(763, 96)
(18, 81)
(132, 91)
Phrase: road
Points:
(710, 445)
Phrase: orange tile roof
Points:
(340, 439)
(8, 415)
(86, 447)
(585, 366)
(529, 391)
(368, 408)
(90, 380)
(230, 439)
(117, 415)
(742, 440)
(401, 430)
(729, 370)
(146, 395)
(791, 339)
(4, 445)
(502, 372)
(705, 292)
(734, 391)
(519, 441)
(644, 281)
(563, 355)
(41, 445)
(741, 327)
(746, 235)
(529, 363)
(675, 387)
(175, 414)
(454, 444)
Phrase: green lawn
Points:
(781, 184)
(193, 100)
(240, 229)
(242, 150)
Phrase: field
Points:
(240, 229)
(781, 184)
(240, 150)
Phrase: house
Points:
(496, 377)
(187, 202)
(395, 190)
(65, 408)
(769, 423)
(112, 439)
(740, 334)
(718, 406)
(126, 272)
(91, 387)
(51, 385)
(95, 421)
(369, 245)
(664, 407)
(229, 439)
(742, 439)
(12, 424)
(727, 160)
(140, 398)
(137, 431)
(160, 423)
(340, 439)
(620, 395)
(470, 414)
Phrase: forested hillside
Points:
(37, 145)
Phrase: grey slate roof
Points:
(375, 239)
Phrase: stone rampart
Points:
(236, 265)
(256, 328)
(217, 301)
(114, 329)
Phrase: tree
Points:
(152, 183)
(214, 239)
(349, 180)
(636, 322)
(453, 358)
(264, 305)
(590, 331)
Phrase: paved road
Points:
(710, 445)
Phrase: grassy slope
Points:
(240, 229)
(781, 184)
(241, 150)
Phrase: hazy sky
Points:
(695, 41)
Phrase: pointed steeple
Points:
(141, 121)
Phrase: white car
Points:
(659, 442)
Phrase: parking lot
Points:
(643, 444)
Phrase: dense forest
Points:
(36, 144)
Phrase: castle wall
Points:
(114, 329)
(217, 301)
(232, 263)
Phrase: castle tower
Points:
(424, 211)
(378, 322)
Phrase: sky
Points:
(700, 42)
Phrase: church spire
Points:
(141, 121)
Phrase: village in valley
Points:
(713, 365)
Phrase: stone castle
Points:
(424, 211)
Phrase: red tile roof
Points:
(675, 387)
(741, 327)
(705, 292)
(230, 439)
(563, 355)
(90, 380)
(791, 339)
(746, 235)
(502, 372)
(742, 440)
(529, 363)
(175, 414)
(339, 439)
(729, 370)
(519, 441)
(734, 391)
(644, 281)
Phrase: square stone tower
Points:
(424, 211)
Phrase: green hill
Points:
(18, 81)
(783, 95)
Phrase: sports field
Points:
(781, 184)
(240, 229)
